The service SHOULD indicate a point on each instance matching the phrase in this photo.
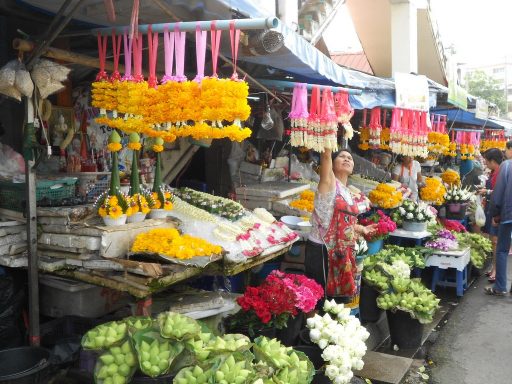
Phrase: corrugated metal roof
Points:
(357, 61)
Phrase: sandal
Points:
(488, 273)
(491, 279)
(493, 292)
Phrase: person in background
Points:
(330, 256)
(408, 172)
(508, 150)
(501, 213)
(493, 158)
(471, 179)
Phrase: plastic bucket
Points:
(404, 331)
(368, 310)
(24, 365)
(375, 246)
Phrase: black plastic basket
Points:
(24, 365)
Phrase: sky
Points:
(480, 31)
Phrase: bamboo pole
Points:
(61, 54)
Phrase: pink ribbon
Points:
(153, 52)
(128, 43)
(200, 52)
(215, 43)
(102, 53)
(137, 58)
(168, 53)
(234, 36)
(116, 50)
(179, 53)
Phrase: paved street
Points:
(475, 346)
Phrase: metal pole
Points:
(289, 84)
(190, 26)
(33, 262)
(165, 8)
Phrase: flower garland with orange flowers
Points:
(177, 107)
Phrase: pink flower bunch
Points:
(384, 225)
(307, 291)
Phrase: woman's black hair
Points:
(334, 155)
(509, 144)
(494, 154)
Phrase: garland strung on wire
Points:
(176, 107)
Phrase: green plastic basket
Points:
(12, 195)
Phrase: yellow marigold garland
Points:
(438, 143)
(385, 137)
(488, 144)
(114, 147)
(385, 196)
(169, 242)
(433, 191)
(364, 138)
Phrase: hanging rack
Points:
(290, 84)
(190, 26)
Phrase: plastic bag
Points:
(479, 215)
(48, 77)
(7, 78)
(23, 81)
(117, 365)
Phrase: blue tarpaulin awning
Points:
(465, 117)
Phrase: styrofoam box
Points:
(64, 297)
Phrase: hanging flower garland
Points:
(364, 134)
(299, 115)
(375, 128)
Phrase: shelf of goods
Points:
(73, 243)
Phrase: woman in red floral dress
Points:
(330, 256)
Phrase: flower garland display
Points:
(305, 201)
(438, 143)
(384, 225)
(385, 137)
(433, 191)
(223, 207)
(113, 204)
(450, 177)
(169, 242)
(409, 133)
(364, 134)
(385, 196)
(493, 138)
(317, 129)
(375, 128)
(467, 152)
(177, 107)
(342, 339)
(444, 241)
(456, 194)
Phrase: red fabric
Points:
(494, 177)
(340, 241)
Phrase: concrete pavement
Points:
(475, 345)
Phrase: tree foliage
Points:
(488, 88)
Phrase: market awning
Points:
(298, 56)
(465, 117)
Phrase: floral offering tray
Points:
(198, 261)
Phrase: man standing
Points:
(501, 212)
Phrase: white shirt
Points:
(409, 176)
